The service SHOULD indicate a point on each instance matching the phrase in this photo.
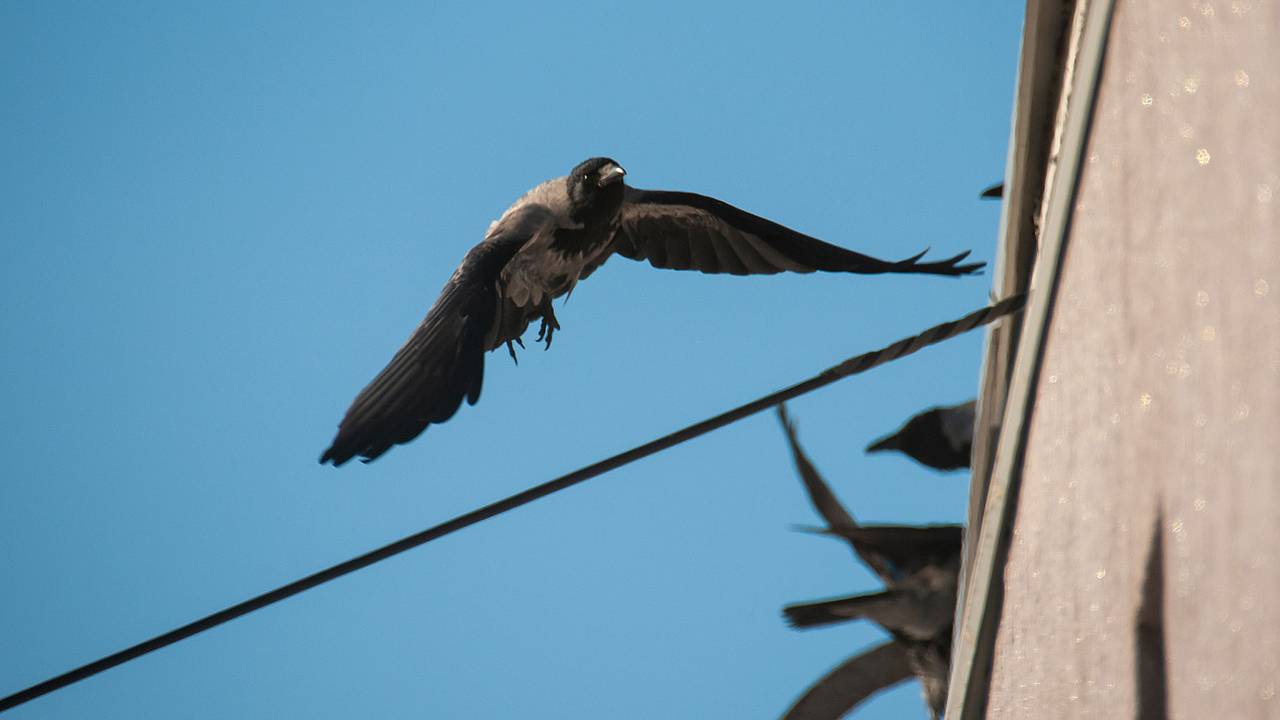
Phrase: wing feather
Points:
(907, 547)
(702, 251)
(852, 682)
(752, 260)
(726, 256)
(678, 253)
(439, 366)
(686, 231)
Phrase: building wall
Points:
(1149, 509)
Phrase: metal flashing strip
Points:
(1038, 90)
(979, 615)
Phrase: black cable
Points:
(849, 367)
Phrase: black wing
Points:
(907, 548)
(684, 231)
(824, 500)
(440, 364)
(852, 682)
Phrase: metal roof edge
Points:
(993, 495)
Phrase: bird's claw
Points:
(511, 349)
(548, 328)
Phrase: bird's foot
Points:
(511, 349)
(549, 326)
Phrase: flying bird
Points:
(940, 437)
(555, 235)
(919, 567)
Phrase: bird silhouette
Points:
(919, 567)
(940, 437)
(555, 235)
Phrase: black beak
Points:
(610, 174)
(892, 442)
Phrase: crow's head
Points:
(928, 439)
(595, 186)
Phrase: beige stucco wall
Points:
(1159, 399)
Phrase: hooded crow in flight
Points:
(555, 235)
(940, 437)
(919, 567)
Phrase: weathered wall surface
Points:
(1158, 408)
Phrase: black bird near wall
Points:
(919, 566)
(940, 437)
(555, 235)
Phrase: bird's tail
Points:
(838, 610)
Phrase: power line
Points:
(852, 366)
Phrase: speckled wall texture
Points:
(1157, 419)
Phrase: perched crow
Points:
(555, 235)
(920, 570)
(940, 437)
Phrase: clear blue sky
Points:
(220, 220)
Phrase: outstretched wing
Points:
(820, 494)
(852, 682)
(907, 547)
(440, 364)
(684, 231)
(824, 500)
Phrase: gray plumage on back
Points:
(543, 244)
(555, 235)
